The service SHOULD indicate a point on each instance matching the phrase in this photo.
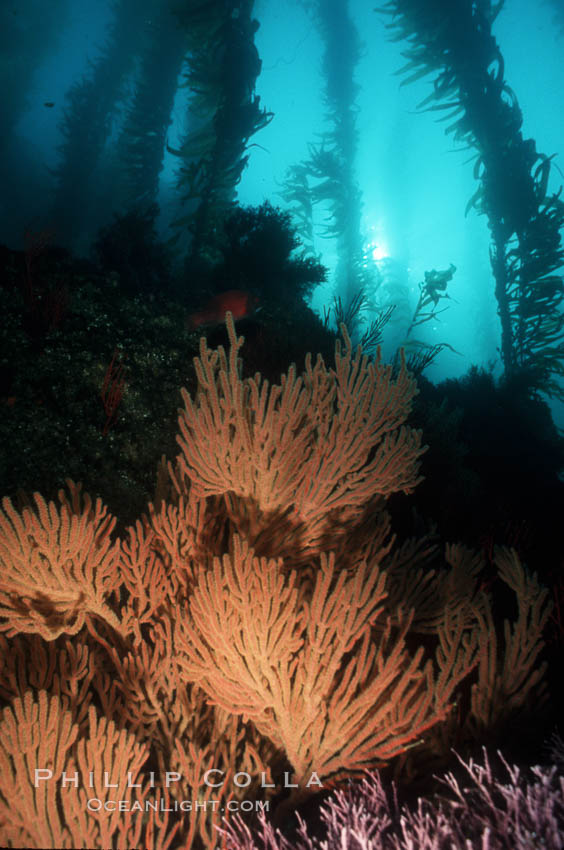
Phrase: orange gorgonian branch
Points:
(58, 565)
(328, 440)
(303, 665)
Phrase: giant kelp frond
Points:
(456, 45)
(327, 177)
(91, 106)
(142, 143)
(297, 195)
(223, 114)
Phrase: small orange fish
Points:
(236, 301)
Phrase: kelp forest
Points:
(275, 574)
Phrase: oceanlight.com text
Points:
(96, 805)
